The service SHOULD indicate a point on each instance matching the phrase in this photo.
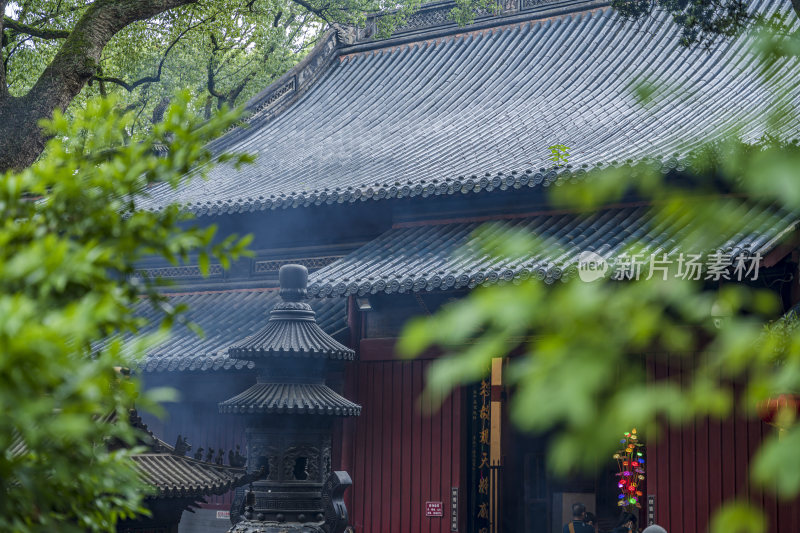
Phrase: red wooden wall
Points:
(693, 470)
(400, 457)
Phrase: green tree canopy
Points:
(70, 236)
(223, 51)
(700, 22)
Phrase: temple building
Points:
(375, 162)
(180, 482)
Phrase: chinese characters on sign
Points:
(453, 508)
(434, 509)
(690, 267)
(481, 439)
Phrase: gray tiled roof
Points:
(477, 111)
(292, 331)
(430, 256)
(177, 476)
(301, 398)
(225, 318)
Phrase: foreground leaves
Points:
(579, 353)
(70, 237)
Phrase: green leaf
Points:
(738, 517)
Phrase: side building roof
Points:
(178, 476)
(173, 475)
(170, 473)
(446, 255)
(447, 110)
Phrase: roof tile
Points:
(440, 256)
(478, 111)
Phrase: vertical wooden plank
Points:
(651, 466)
(754, 441)
(416, 452)
(406, 456)
(355, 498)
(426, 465)
(458, 464)
(397, 447)
(673, 457)
(388, 446)
(741, 452)
(712, 456)
(663, 503)
(701, 469)
(688, 474)
(795, 522)
(375, 503)
(675, 462)
(436, 494)
(446, 420)
(369, 440)
(362, 447)
(728, 461)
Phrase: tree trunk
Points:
(21, 139)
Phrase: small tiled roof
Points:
(430, 256)
(301, 398)
(225, 317)
(177, 476)
(291, 331)
(172, 475)
(477, 111)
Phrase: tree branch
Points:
(49, 17)
(236, 91)
(150, 79)
(79, 56)
(320, 13)
(42, 33)
(76, 61)
(212, 86)
(159, 110)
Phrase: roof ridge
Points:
(219, 291)
(432, 20)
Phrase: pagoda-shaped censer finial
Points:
(290, 412)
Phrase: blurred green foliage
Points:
(70, 237)
(581, 350)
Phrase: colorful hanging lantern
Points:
(631, 461)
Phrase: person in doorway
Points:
(626, 523)
(590, 520)
(577, 525)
